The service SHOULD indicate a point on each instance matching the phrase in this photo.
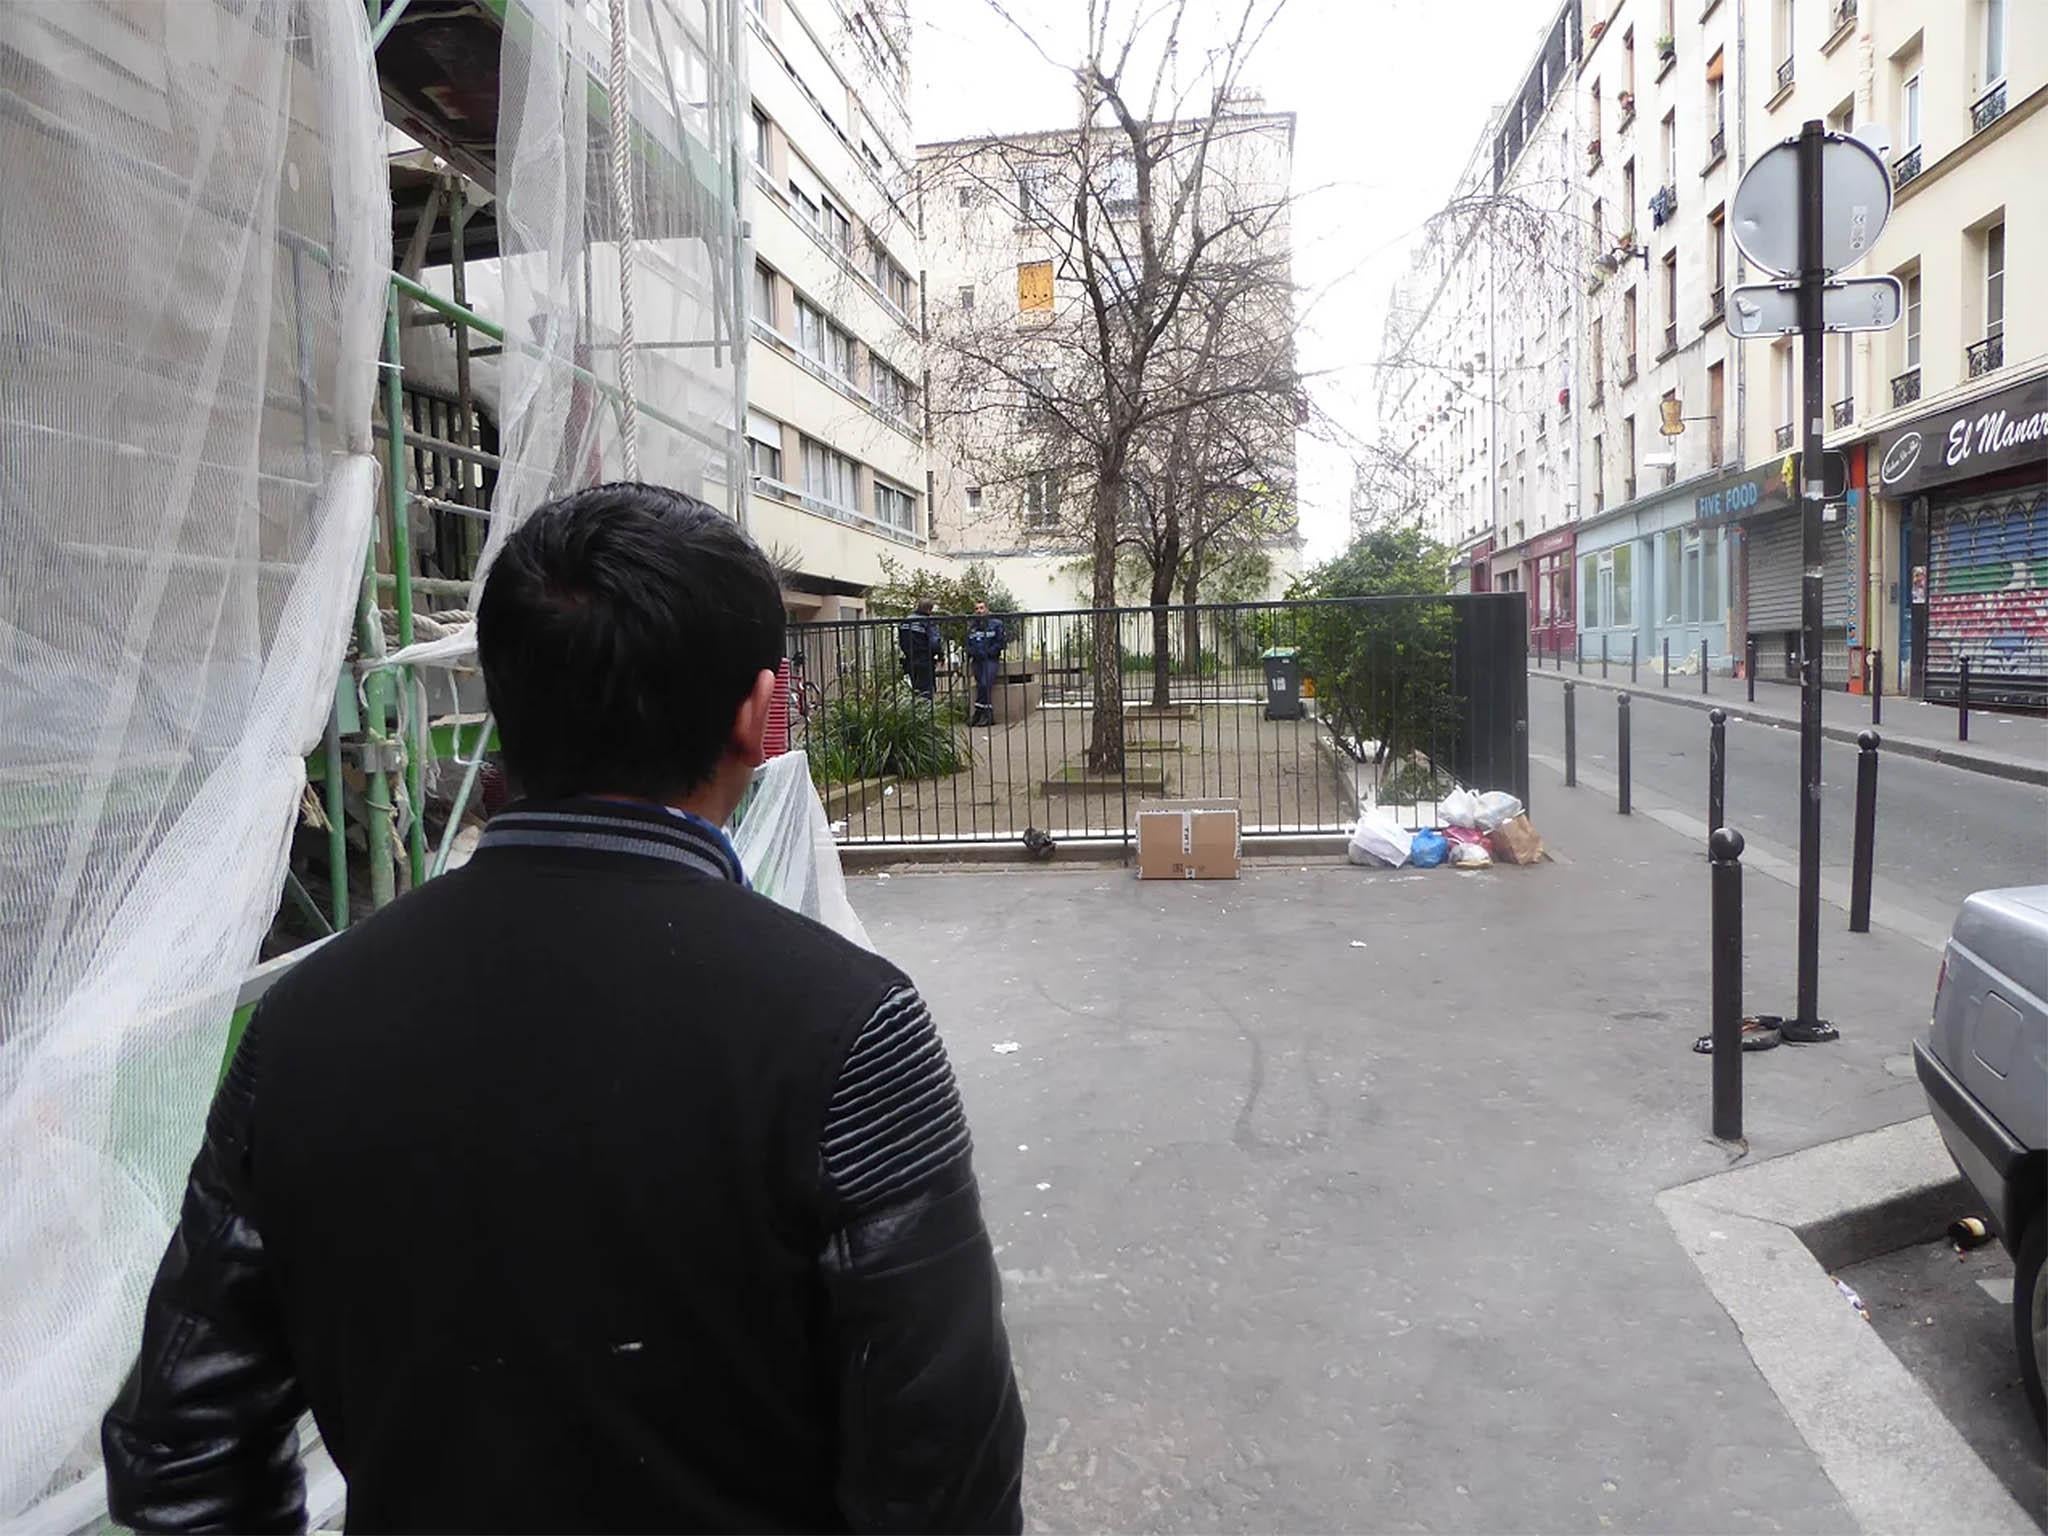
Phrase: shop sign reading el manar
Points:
(2003, 431)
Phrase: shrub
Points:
(877, 727)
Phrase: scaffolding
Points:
(244, 515)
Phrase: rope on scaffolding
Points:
(622, 197)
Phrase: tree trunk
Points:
(1162, 621)
(1106, 733)
(1191, 621)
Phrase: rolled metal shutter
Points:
(1987, 590)
(1775, 570)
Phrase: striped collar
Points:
(612, 826)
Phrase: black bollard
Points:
(1963, 700)
(1579, 652)
(1749, 657)
(1603, 655)
(1724, 854)
(1571, 736)
(1667, 661)
(1877, 687)
(1866, 832)
(1633, 647)
(1621, 752)
(1703, 666)
(1717, 767)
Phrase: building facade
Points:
(1941, 543)
(1013, 339)
(1662, 445)
(1480, 355)
(835, 414)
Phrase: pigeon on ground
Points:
(1038, 844)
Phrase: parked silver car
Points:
(1984, 1065)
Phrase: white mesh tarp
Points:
(194, 245)
(559, 229)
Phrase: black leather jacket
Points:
(872, 1393)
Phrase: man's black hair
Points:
(619, 631)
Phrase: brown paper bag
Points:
(1517, 842)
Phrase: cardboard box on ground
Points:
(1188, 840)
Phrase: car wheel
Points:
(2030, 1315)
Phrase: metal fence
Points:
(1302, 712)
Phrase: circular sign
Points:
(1856, 199)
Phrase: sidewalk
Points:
(2005, 746)
(1325, 1198)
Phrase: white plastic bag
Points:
(1380, 839)
(785, 846)
(1470, 856)
(1460, 808)
(1495, 807)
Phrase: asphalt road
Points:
(1942, 832)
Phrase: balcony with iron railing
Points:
(1842, 16)
(1717, 148)
(1844, 411)
(1988, 108)
(1670, 341)
(1987, 356)
(1784, 438)
(1906, 167)
(1786, 73)
(1905, 388)
(1717, 307)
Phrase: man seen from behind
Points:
(582, 1188)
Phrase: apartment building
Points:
(1014, 342)
(1940, 550)
(835, 419)
(1657, 97)
(1478, 365)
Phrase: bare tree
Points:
(1150, 247)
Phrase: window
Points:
(1843, 118)
(764, 445)
(1628, 61)
(1589, 591)
(1034, 286)
(974, 498)
(1909, 109)
(1624, 594)
(1041, 498)
(838, 228)
(1994, 42)
(901, 293)
(1031, 186)
(1994, 280)
(1717, 237)
(804, 203)
(1670, 303)
(1628, 336)
(1628, 197)
(1593, 124)
(1913, 322)
(1598, 356)
(810, 330)
(1037, 386)
(839, 353)
(1716, 404)
(967, 196)
(1599, 474)
(1599, 227)
(828, 477)
(1787, 382)
(1717, 105)
(761, 151)
(1674, 575)
(1671, 148)
(895, 507)
(1628, 449)
(1120, 188)
(967, 298)
(1710, 576)
(1781, 31)
(764, 295)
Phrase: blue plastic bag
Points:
(1429, 849)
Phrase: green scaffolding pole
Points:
(396, 498)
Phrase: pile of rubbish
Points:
(1476, 830)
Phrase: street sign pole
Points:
(1813, 276)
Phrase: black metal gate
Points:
(955, 734)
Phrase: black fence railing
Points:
(1305, 713)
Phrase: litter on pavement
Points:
(1478, 830)
(1005, 1047)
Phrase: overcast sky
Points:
(1389, 96)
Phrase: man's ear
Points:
(750, 722)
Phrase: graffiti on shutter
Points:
(1988, 598)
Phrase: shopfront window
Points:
(1674, 575)
(1589, 591)
(1710, 575)
(1624, 586)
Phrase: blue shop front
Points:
(1662, 568)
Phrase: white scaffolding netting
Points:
(194, 241)
(559, 223)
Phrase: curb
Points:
(1998, 767)
(1275, 847)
